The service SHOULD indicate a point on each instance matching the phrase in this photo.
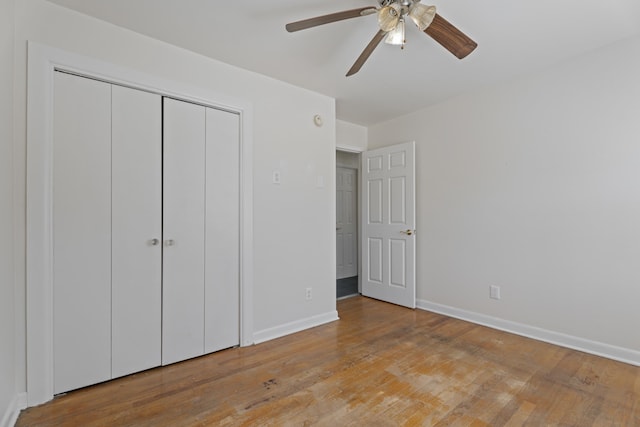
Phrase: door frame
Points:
(43, 61)
(354, 150)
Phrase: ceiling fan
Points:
(391, 20)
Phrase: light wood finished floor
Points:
(380, 365)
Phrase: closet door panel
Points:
(81, 232)
(137, 213)
(222, 251)
(183, 227)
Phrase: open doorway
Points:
(347, 235)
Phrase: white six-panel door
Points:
(184, 231)
(81, 232)
(388, 224)
(346, 223)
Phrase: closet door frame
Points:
(43, 61)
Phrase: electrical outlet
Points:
(309, 294)
(494, 292)
(276, 177)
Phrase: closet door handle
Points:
(154, 242)
(169, 242)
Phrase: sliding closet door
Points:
(137, 230)
(222, 266)
(184, 231)
(81, 232)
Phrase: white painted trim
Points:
(348, 296)
(246, 228)
(43, 61)
(22, 400)
(620, 354)
(350, 148)
(293, 327)
(11, 413)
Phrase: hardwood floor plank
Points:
(380, 365)
(521, 416)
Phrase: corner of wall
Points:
(625, 355)
(9, 400)
(12, 412)
(293, 327)
(351, 137)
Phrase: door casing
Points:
(359, 151)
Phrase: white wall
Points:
(294, 240)
(351, 136)
(7, 323)
(347, 159)
(534, 186)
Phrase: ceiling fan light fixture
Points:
(391, 16)
(396, 36)
(388, 17)
(422, 15)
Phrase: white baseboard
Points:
(620, 354)
(12, 412)
(347, 296)
(292, 327)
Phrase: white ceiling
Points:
(514, 38)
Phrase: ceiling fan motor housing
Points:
(398, 7)
(403, 3)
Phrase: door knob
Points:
(169, 242)
(154, 242)
(408, 232)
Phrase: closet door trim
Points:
(43, 61)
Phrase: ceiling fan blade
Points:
(332, 17)
(451, 38)
(366, 53)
